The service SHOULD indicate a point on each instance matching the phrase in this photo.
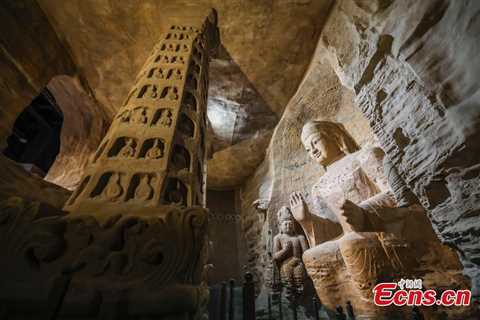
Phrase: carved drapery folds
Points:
(131, 240)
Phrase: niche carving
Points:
(177, 60)
(163, 117)
(142, 187)
(175, 192)
(170, 93)
(177, 74)
(177, 36)
(192, 82)
(152, 149)
(109, 186)
(158, 73)
(123, 147)
(148, 91)
(171, 47)
(162, 59)
(180, 158)
(140, 115)
(194, 67)
(190, 101)
(186, 126)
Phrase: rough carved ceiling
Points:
(267, 46)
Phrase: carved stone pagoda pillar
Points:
(133, 242)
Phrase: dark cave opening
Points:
(35, 139)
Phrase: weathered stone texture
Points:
(29, 64)
(83, 128)
(416, 80)
(287, 168)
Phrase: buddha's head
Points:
(327, 142)
(285, 220)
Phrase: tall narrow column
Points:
(154, 152)
(133, 244)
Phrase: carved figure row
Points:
(177, 36)
(175, 47)
(143, 116)
(154, 92)
(183, 28)
(126, 147)
(164, 58)
(165, 73)
(113, 186)
(161, 117)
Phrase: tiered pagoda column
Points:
(132, 242)
(154, 152)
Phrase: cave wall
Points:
(405, 75)
(84, 126)
(415, 70)
(224, 247)
(287, 167)
(26, 68)
(27, 65)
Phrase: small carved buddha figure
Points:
(113, 189)
(141, 116)
(288, 248)
(165, 118)
(172, 94)
(159, 73)
(178, 74)
(144, 190)
(128, 150)
(155, 151)
(153, 92)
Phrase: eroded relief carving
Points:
(144, 191)
(113, 190)
(163, 117)
(128, 150)
(288, 247)
(81, 258)
(156, 151)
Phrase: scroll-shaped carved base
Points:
(127, 267)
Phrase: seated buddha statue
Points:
(377, 237)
